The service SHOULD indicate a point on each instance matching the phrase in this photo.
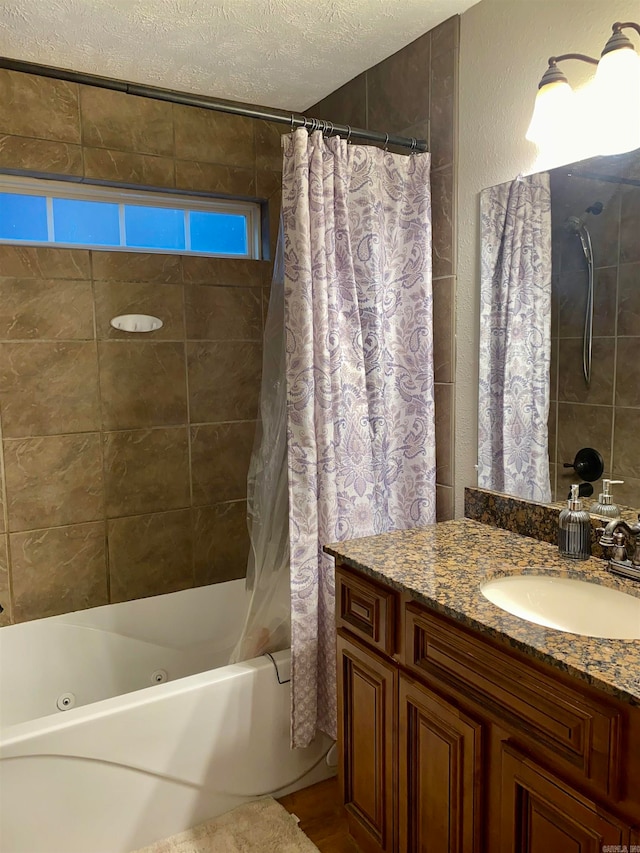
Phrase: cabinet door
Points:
(541, 814)
(366, 741)
(440, 782)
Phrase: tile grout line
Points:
(174, 155)
(5, 514)
(157, 428)
(595, 405)
(81, 129)
(452, 330)
(556, 380)
(122, 340)
(192, 524)
(101, 433)
(454, 237)
(615, 345)
(147, 514)
(132, 152)
(430, 96)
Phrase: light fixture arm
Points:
(581, 56)
(554, 75)
(618, 39)
(625, 26)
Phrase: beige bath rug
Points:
(260, 827)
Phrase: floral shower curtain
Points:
(359, 369)
(515, 338)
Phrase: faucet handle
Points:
(605, 540)
(619, 551)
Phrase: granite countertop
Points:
(444, 565)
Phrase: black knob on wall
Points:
(588, 464)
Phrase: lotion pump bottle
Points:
(605, 505)
(574, 528)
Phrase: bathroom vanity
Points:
(462, 728)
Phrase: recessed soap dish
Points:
(136, 323)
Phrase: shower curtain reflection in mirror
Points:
(515, 338)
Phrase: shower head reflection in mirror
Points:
(578, 225)
(575, 223)
(599, 200)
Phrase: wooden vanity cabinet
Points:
(452, 743)
(367, 700)
(541, 814)
(440, 772)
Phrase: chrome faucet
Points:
(624, 538)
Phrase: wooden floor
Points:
(322, 816)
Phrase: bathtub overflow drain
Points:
(159, 676)
(66, 701)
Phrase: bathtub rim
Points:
(13, 735)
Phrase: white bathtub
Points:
(131, 763)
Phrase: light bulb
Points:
(617, 100)
(553, 111)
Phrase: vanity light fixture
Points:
(613, 105)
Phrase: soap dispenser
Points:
(574, 528)
(605, 505)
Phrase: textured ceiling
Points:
(279, 53)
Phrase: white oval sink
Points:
(567, 604)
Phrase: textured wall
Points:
(414, 93)
(124, 458)
(504, 46)
(605, 414)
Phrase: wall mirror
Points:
(562, 247)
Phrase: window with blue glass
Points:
(23, 217)
(86, 223)
(154, 227)
(47, 212)
(218, 230)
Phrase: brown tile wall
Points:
(124, 459)
(414, 93)
(606, 414)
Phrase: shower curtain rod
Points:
(193, 100)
